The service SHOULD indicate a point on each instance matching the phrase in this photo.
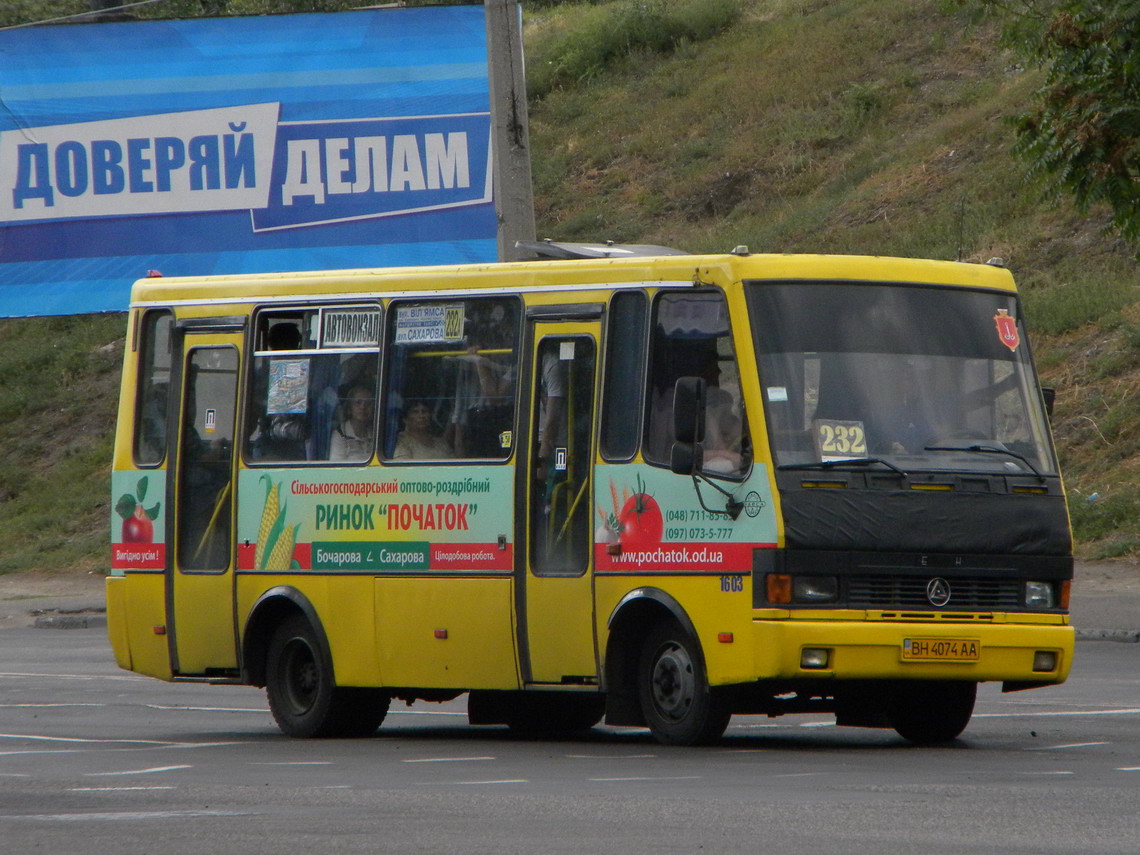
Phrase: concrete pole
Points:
(510, 139)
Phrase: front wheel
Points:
(302, 696)
(929, 713)
(678, 705)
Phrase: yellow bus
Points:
(661, 489)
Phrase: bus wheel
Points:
(675, 698)
(928, 713)
(302, 697)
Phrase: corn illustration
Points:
(268, 518)
(275, 539)
(280, 559)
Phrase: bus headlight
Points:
(815, 589)
(1039, 595)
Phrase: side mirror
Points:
(1050, 396)
(689, 409)
(688, 425)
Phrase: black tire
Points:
(302, 696)
(678, 705)
(927, 713)
(554, 713)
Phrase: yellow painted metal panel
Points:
(713, 612)
(873, 650)
(227, 292)
(203, 623)
(446, 633)
(143, 601)
(560, 628)
(117, 620)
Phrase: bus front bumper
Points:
(1013, 653)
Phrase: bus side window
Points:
(624, 375)
(451, 375)
(692, 338)
(313, 393)
(153, 397)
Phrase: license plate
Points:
(940, 650)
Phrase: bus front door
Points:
(199, 571)
(555, 567)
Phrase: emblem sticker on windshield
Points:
(1007, 329)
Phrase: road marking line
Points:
(1128, 768)
(81, 739)
(127, 815)
(610, 756)
(177, 708)
(115, 789)
(446, 759)
(505, 781)
(647, 778)
(1070, 745)
(29, 674)
(150, 771)
(1128, 711)
(296, 763)
(46, 706)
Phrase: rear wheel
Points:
(302, 697)
(678, 705)
(929, 713)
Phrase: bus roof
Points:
(565, 274)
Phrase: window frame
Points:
(311, 313)
(388, 395)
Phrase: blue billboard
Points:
(236, 145)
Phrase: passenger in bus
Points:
(417, 441)
(482, 407)
(284, 336)
(152, 423)
(899, 421)
(352, 438)
(724, 438)
(280, 436)
(552, 409)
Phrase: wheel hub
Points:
(673, 682)
(302, 676)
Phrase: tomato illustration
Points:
(137, 528)
(641, 522)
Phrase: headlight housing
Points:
(1040, 595)
(815, 589)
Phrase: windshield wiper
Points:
(851, 461)
(988, 449)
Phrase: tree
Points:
(1082, 135)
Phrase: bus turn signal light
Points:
(779, 589)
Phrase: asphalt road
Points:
(94, 760)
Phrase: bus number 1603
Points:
(731, 584)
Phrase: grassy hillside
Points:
(864, 126)
(851, 126)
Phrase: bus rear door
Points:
(199, 567)
(555, 567)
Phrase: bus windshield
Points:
(912, 377)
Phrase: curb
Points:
(61, 619)
(1128, 636)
